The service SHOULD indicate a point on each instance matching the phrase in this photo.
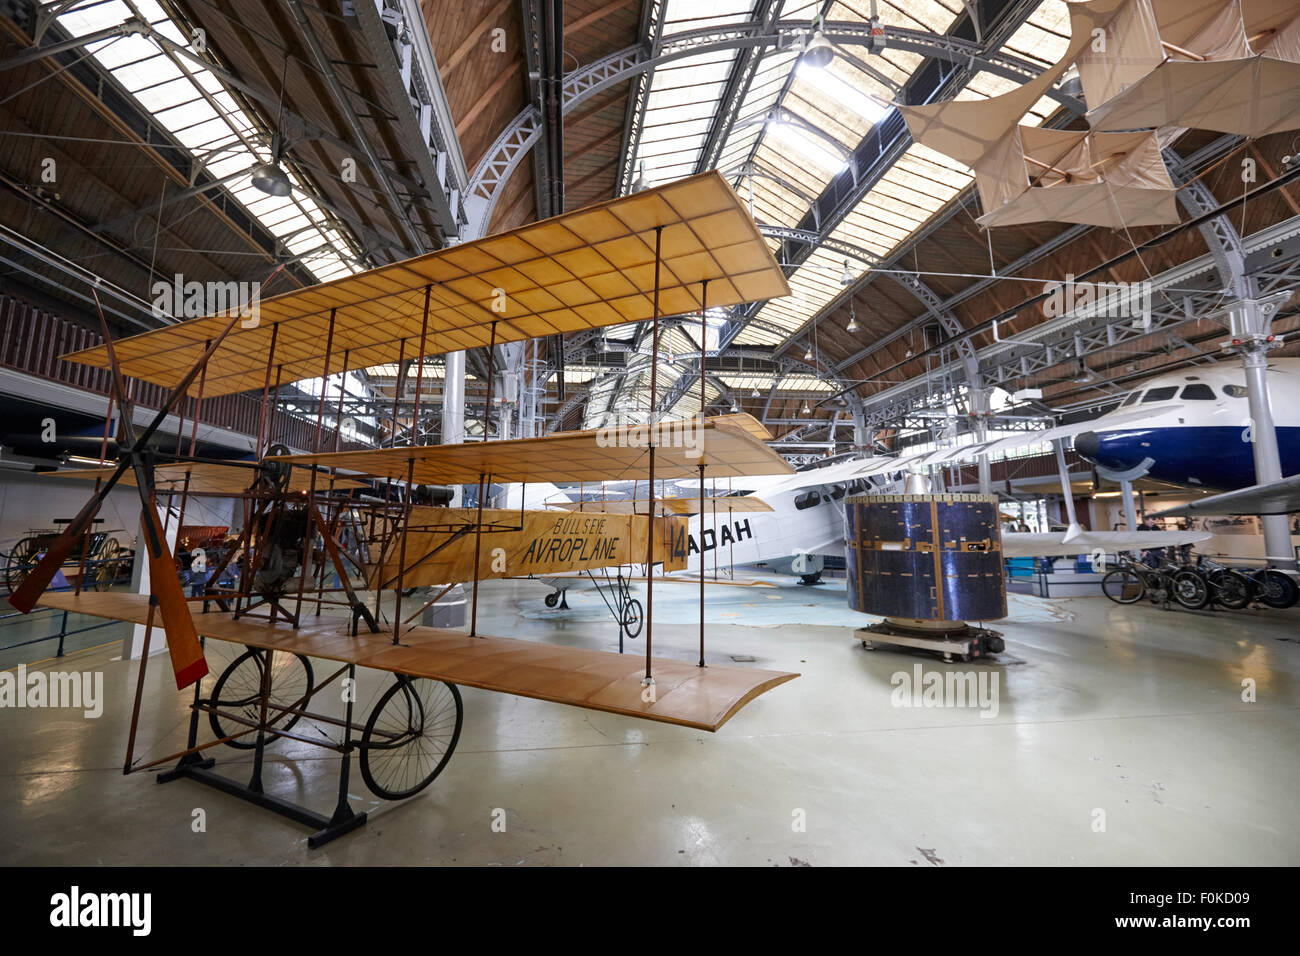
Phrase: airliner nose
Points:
(1087, 444)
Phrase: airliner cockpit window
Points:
(1198, 392)
(1131, 399)
(1236, 391)
(1162, 394)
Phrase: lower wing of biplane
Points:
(703, 698)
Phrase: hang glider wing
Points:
(1270, 498)
(585, 269)
(1110, 180)
(1232, 66)
(1016, 544)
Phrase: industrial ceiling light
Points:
(1083, 375)
(1071, 85)
(271, 179)
(847, 277)
(853, 319)
(754, 393)
(735, 406)
(641, 182)
(808, 356)
(806, 409)
(818, 51)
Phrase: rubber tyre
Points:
(1275, 588)
(633, 614)
(1190, 590)
(1122, 586)
(404, 710)
(1232, 589)
(247, 699)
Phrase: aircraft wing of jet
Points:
(1270, 498)
(1019, 544)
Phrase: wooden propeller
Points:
(183, 644)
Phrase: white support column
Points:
(1130, 510)
(1063, 469)
(1249, 322)
(979, 399)
(453, 405)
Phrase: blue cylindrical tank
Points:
(925, 557)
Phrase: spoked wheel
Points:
(239, 692)
(1123, 586)
(1275, 588)
(105, 573)
(632, 615)
(1190, 590)
(410, 737)
(1232, 589)
(22, 558)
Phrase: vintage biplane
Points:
(324, 569)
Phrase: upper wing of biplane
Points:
(585, 269)
(723, 446)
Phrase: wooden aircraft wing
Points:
(603, 454)
(586, 269)
(704, 698)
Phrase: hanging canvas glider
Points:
(1232, 66)
(1149, 69)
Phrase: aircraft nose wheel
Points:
(410, 736)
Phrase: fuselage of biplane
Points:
(440, 545)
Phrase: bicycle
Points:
(1134, 580)
(1228, 587)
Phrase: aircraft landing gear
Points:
(557, 598)
(808, 580)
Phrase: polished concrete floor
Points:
(1121, 737)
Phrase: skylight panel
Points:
(805, 145)
(826, 82)
(174, 94)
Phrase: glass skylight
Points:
(195, 108)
